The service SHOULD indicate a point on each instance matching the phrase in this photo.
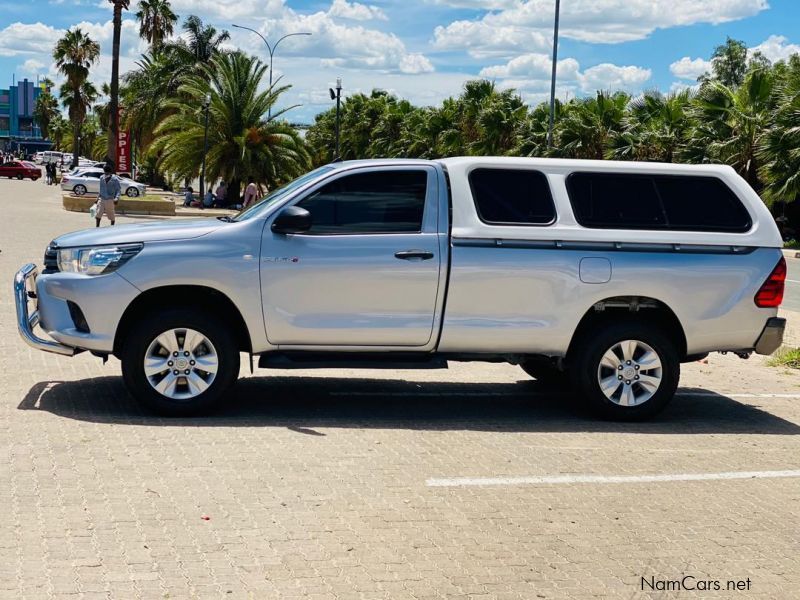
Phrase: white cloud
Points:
(481, 39)
(356, 11)
(606, 76)
(31, 66)
(28, 38)
(533, 66)
(524, 24)
(776, 47)
(531, 73)
(688, 68)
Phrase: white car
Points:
(83, 181)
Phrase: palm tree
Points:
(74, 54)
(76, 101)
(729, 123)
(242, 141)
(587, 125)
(655, 127)
(156, 21)
(45, 111)
(58, 131)
(779, 148)
(149, 88)
(113, 123)
(203, 40)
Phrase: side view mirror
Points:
(292, 219)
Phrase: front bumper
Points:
(27, 319)
(771, 337)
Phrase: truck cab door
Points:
(367, 271)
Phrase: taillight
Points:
(770, 294)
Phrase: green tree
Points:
(243, 142)
(729, 123)
(80, 100)
(728, 63)
(779, 147)
(588, 125)
(156, 21)
(58, 130)
(655, 127)
(45, 111)
(74, 53)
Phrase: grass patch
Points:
(792, 244)
(786, 357)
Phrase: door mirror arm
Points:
(292, 219)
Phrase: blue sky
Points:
(425, 50)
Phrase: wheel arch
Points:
(615, 308)
(188, 296)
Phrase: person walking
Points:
(108, 196)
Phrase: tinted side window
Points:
(670, 202)
(375, 202)
(702, 204)
(512, 196)
(623, 201)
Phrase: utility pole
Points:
(553, 78)
(337, 95)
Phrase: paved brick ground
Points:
(314, 484)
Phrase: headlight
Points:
(98, 260)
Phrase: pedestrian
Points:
(221, 194)
(188, 196)
(108, 196)
(250, 193)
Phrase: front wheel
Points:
(20, 177)
(179, 362)
(80, 190)
(626, 371)
(132, 192)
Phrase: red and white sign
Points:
(123, 151)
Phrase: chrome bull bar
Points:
(24, 291)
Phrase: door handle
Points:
(413, 255)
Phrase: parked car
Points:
(82, 181)
(20, 169)
(609, 274)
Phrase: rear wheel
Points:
(626, 371)
(180, 362)
(79, 190)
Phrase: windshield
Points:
(265, 203)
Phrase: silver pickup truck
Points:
(606, 275)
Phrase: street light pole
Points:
(553, 78)
(338, 97)
(271, 50)
(206, 104)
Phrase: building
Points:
(18, 129)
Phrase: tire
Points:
(544, 371)
(627, 401)
(20, 177)
(185, 396)
(79, 190)
(132, 192)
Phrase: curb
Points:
(791, 253)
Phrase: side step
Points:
(349, 360)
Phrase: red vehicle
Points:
(21, 169)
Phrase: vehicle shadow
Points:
(304, 404)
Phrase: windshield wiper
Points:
(225, 218)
